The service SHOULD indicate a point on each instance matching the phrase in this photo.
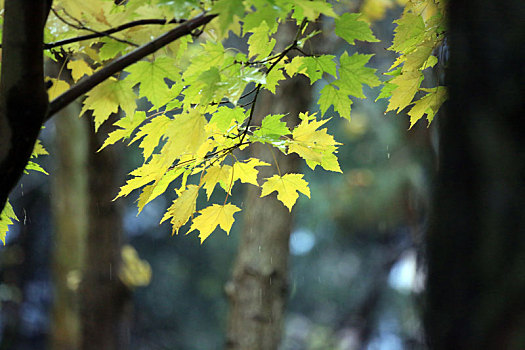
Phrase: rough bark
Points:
(70, 209)
(476, 248)
(258, 289)
(21, 84)
(103, 296)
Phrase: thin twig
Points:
(124, 61)
(108, 32)
(81, 26)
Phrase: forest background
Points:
(383, 169)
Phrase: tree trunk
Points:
(258, 289)
(476, 247)
(23, 98)
(70, 208)
(103, 296)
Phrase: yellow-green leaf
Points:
(429, 104)
(407, 86)
(332, 96)
(7, 218)
(351, 28)
(106, 98)
(259, 43)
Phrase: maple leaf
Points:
(217, 174)
(312, 67)
(286, 187)
(213, 216)
(246, 172)
(79, 68)
(272, 128)
(311, 9)
(272, 79)
(105, 99)
(157, 188)
(58, 87)
(407, 86)
(351, 28)
(332, 96)
(353, 74)
(225, 117)
(227, 10)
(150, 135)
(259, 42)
(38, 150)
(7, 218)
(428, 104)
(126, 126)
(317, 147)
(410, 31)
(182, 208)
(151, 77)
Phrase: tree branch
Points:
(108, 32)
(122, 62)
(81, 26)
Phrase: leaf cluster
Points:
(189, 106)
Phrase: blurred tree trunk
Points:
(476, 248)
(104, 298)
(258, 289)
(70, 208)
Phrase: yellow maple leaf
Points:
(58, 87)
(317, 147)
(246, 172)
(182, 208)
(213, 216)
(217, 174)
(79, 68)
(286, 187)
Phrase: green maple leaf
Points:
(225, 117)
(353, 74)
(312, 67)
(331, 96)
(227, 10)
(272, 128)
(311, 9)
(350, 28)
(151, 77)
